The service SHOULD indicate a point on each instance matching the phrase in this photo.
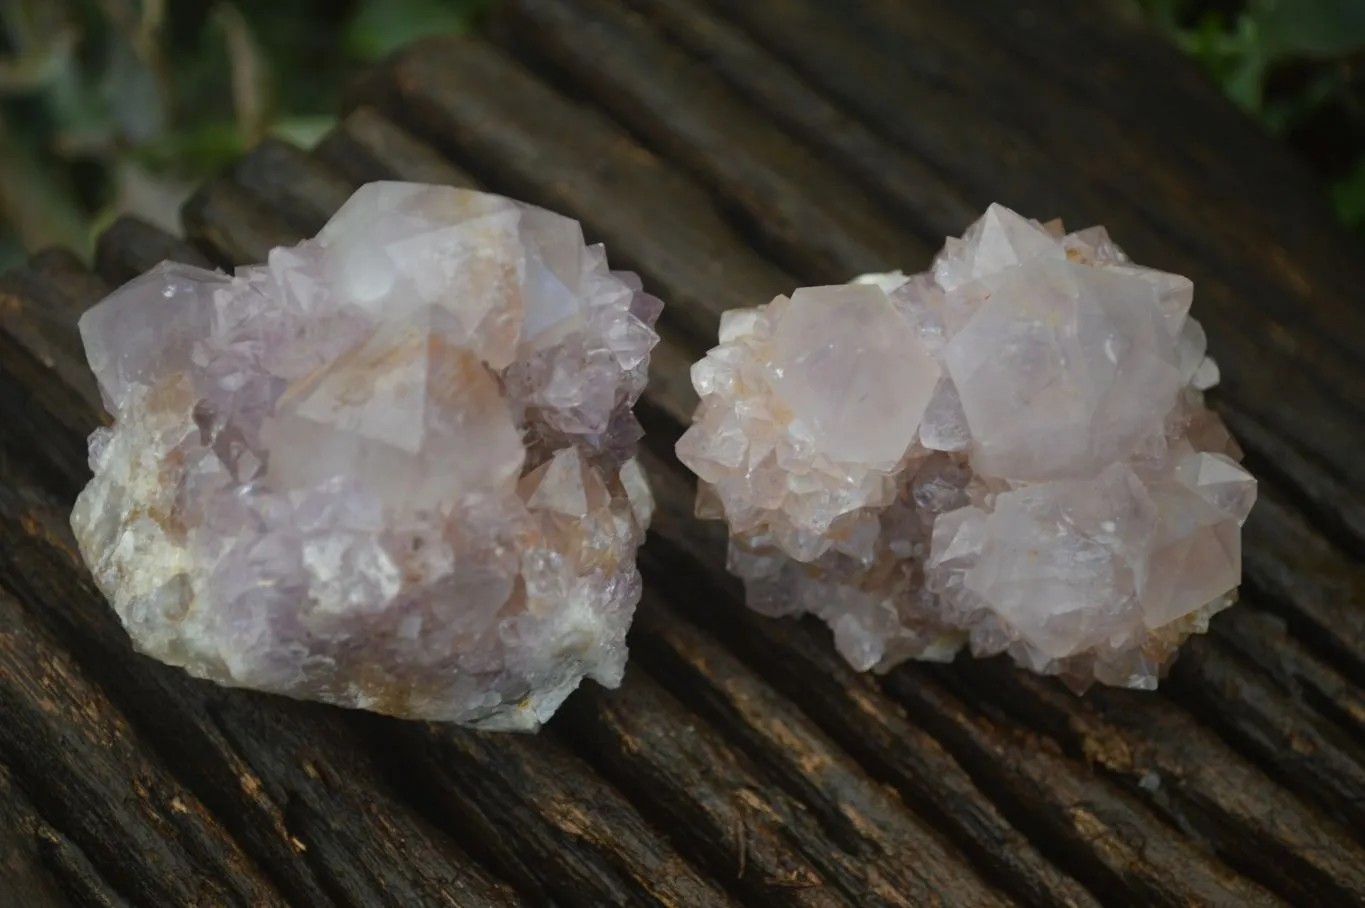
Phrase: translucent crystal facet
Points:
(390, 468)
(1012, 452)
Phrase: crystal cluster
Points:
(391, 468)
(1011, 450)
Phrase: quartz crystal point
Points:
(390, 468)
(1009, 451)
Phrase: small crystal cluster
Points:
(1011, 450)
(391, 468)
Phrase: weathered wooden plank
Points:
(818, 224)
(27, 873)
(978, 78)
(222, 216)
(696, 785)
(91, 775)
(1317, 492)
(1302, 750)
(1264, 638)
(309, 192)
(1125, 854)
(131, 246)
(368, 146)
(36, 404)
(869, 819)
(548, 822)
(32, 311)
(1297, 570)
(1184, 773)
(73, 286)
(920, 196)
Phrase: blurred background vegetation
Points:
(115, 106)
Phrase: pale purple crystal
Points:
(390, 468)
(1010, 450)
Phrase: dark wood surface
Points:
(728, 152)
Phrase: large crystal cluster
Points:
(391, 468)
(1011, 450)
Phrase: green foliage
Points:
(1297, 66)
(379, 27)
(112, 106)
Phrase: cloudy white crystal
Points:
(390, 468)
(1018, 457)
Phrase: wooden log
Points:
(72, 750)
(548, 822)
(816, 223)
(222, 216)
(42, 868)
(32, 312)
(920, 197)
(871, 821)
(131, 246)
(1119, 849)
(309, 192)
(367, 146)
(699, 785)
(1194, 780)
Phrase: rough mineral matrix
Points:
(1011, 450)
(391, 468)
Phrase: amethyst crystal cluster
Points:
(1011, 451)
(390, 468)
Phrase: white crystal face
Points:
(390, 468)
(1062, 369)
(1020, 460)
(851, 369)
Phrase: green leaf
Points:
(380, 27)
(194, 152)
(303, 131)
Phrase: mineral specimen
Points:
(1011, 450)
(391, 468)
